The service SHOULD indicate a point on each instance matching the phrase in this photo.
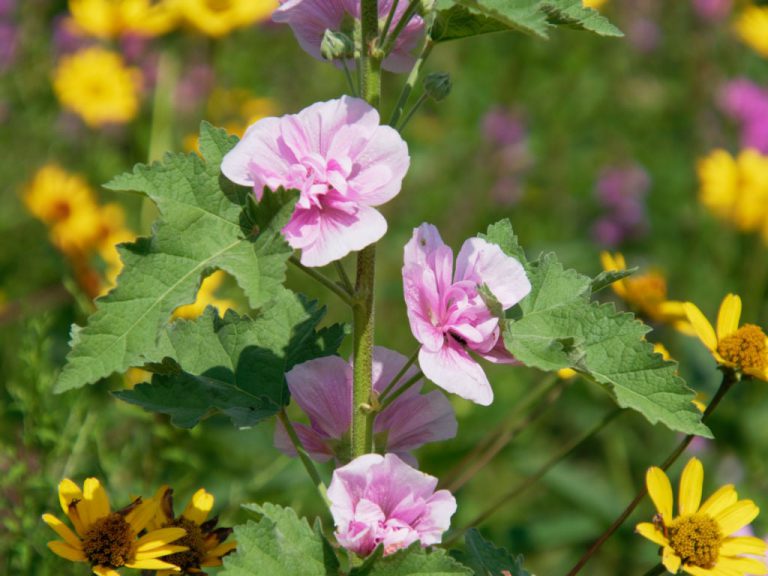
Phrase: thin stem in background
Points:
(388, 23)
(545, 395)
(309, 466)
(324, 280)
(400, 391)
(410, 83)
(729, 379)
(399, 375)
(345, 281)
(416, 106)
(656, 570)
(389, 42)
(350, 81)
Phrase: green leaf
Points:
(414, 561)
(559, 327)
(463, 18)
(235, 365)
(485, 559)
(203, 226)
(608, 277)
(279, 544)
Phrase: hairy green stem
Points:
(324, 280)
(729, 379)
(410, 83)
(566, 451)
(309, 466)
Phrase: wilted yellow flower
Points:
(95, 84)
(205, 541)
(206, 296)
(111, 18)
(109, 540)
(218, 18)
(744, 349)
(646, 293)
(700, 539)
(752, 28)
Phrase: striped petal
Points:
(740, 566)
(158, 538)
(660, 491)
(199, 507)
(701, 326)
(728, 316)
(723, 498)
(743, 545)
(153, 564)
(63, 530)
(66, 551)
(689, 497)
(736, 516)
(222, 549)
(159, 552)
(140, 516)
(649, 531)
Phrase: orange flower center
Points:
(218, 5)
(696, 538)
(747, 348)
(194, 540)
(109, 541)
(647, 290)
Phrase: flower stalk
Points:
(303, 456)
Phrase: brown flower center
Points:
(747, 348)
(109, 541)
(696, 539)
(61, 210)
(194, 540)
(649, 289)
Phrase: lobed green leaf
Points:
(486, 559)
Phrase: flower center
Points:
(109, 541)
(696, 539)
(218, 5)
(746, 348)
(650, 288)
(61, 210)
(194, 540)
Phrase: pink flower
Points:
(381, 500)
(309, 19)
(323, 389)
(341, 161)
(447, 313)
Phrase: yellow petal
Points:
(736, 516)
(221, 549)
(105, 571)
(740, 566)
(153, 564)
(670, 560)
(63, 530)
(140, 516)
(160, 552)
(199, 507)
(96, 498)
(701, 326)
(607, 261)
(719, 501)
(68, 491)
(649, 531)
(158, 538)
(660, 491)
(728, 316)
(66, 551)
(743, 545)
(697, 571)
(691, 482)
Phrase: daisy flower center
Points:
(109, 541)
(696, 538)
(219, 5)
(651, 288)
(194, 540)
(746, 348)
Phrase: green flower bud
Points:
(437, 85)
(336, 45)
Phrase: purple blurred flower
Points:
(506, 133)
(323, 389)
(194, 86)
(67, 37)
(747, 104)
(712, 10)
(502, 127)
(643, 34)
(621, 192)
(6, 7)
(381, 500)
(9, 40)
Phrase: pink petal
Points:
(422, 301)
(309, 19)
(384, 163)
(486, 263)
(257, 147)
(312, 441)
(440, 507)
(324, 122)
(415, 420)
(454, 370)
(386, 364)
(425, 240)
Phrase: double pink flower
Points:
(323, 389)
(448, 314)
(341, 161)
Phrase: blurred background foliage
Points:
(586, 144)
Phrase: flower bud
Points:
(336, 45)
(437, 85)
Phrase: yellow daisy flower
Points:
(95, 84)
(744, 349)
(206, 296)
(109, 540)
(218, 18)
(112, 18)
(752, 28)
(646, 293)
(699, 539)
(205, 541)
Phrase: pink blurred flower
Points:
(341, 161)
(447, 313)
(621, 192)
(381, 500)
(713, 10)
(309, 19)
(747, 103)
(323, 389)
